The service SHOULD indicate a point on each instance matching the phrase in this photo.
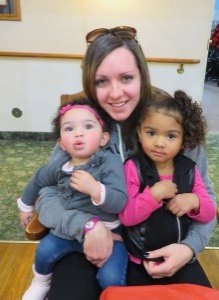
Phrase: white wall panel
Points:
(166, 28)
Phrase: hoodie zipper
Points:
(120, 143)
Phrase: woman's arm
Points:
(199, 234)
(200, 157)
(98, 244)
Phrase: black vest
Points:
(162, 227)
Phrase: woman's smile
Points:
(118, 104)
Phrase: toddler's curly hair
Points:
(187, 113)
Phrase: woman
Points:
(115, 76)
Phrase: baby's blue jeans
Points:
(52, 248)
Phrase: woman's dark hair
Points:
(80, 101)
(184, 110)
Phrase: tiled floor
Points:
(210, 104)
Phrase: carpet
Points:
(18, 162)
(20, 159)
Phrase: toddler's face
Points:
(161, 137)
(81, 133)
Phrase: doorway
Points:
(210, 100)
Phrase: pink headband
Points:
(67, 107)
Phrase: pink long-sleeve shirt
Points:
(140, 205)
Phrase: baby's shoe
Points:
(39, 287)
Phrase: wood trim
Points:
(174, 60)
(41, 55)
(80, 56)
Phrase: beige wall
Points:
(166, 28)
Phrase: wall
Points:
(166, 28)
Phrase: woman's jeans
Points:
(52, 248)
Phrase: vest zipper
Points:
(179, 229)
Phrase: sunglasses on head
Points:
(124, 32)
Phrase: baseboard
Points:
(25, 135)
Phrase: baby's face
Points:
(81, 133)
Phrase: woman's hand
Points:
(175, 257)
(98, 244)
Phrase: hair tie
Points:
(64, 109)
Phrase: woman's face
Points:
(118, 84)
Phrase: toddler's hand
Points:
(163, 190)
(84, 182)
(25, 218)
(183, 203)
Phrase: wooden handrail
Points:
(41, 55)
(80, 56)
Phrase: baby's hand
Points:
(163, 190)
(84, 182)
(183, 203)
(25, 218)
